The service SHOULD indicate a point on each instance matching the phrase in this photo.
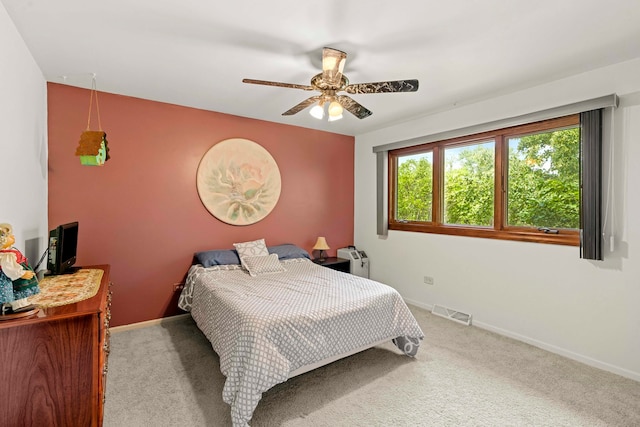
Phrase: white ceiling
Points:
(196, 52)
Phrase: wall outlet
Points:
(428, 280)
(177, 287)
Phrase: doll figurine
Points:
(18, 281)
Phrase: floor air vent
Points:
(455, 315)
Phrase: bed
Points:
(278, 315)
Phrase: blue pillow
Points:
(218, 257)
(288, 251)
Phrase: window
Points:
(469, 172)
(543, 182)
(518, 183)
(414, 187)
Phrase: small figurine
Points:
(18, 281)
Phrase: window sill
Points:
(568, 238)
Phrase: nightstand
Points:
(335, 263)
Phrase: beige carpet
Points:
(168, 375)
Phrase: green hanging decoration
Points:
(93, 149)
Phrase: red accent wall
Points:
(141, 213)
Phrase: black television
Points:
(63, 244)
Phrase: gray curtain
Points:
(382, 191)
(591, 185)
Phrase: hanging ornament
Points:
(93, 149)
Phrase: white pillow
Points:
(247, 249)
(258, 265)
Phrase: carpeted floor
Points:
(167, 375)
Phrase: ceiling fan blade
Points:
(301, 106)
(332, 65)
(268, 83)
(383, 87)
(353, 107)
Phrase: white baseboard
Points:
(428, 307)
(540, 344)
(545, 346)
(561, 351)
(146, 323)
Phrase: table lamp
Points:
(321, 245)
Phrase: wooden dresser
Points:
(53, 365)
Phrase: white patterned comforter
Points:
(265, 327)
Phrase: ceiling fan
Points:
(331, 81)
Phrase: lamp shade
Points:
(335, 109)
(317, 111)
(321, 244)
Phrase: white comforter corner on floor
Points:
(263, 328)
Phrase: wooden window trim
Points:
(499, 229)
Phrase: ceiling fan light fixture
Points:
(331, 81)
(335, 109)
(317, 111)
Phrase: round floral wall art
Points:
(238, 181)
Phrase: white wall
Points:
(539, 293)
(23, 140)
